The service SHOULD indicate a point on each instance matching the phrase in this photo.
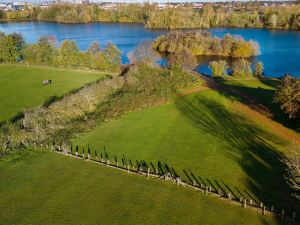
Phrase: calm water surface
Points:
(280, 49)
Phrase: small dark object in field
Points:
(47, 82)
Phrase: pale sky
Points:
(135, 1)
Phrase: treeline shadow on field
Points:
(259, 99)
(249, 147)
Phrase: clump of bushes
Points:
(240, 68)
(218, 68)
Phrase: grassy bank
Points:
(48, 188)
(21, 87)
(201, 134)
(259, 94)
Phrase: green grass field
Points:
(48, 188)
(200, 134)
(262, 91)
(21, 87)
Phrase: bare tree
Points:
(183, 58)
(144, 53)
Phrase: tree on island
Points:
(203, 43)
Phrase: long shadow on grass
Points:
(260, 99)
(249, 146)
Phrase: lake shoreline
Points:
(279, 49)
(150, 28)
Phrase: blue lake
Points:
(280, 49)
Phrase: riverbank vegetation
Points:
(141, 87)
(240, 68)
(13, 49)
(250, 14)
(203, 43)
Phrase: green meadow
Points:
(21, 87)
(48, 188)
(203, 138)
(261, 92)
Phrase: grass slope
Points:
(21, 86)
(48, 188)
(262, 92)
(203, 135)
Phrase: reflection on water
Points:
(280, 49)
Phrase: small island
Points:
(203, 43)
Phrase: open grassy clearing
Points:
(261, 93)
(21, 87)
(205, 135)
(48, 188)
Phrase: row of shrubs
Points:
(240, 68)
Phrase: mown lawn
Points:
(47, 188)
(202, 137)
(21, 87)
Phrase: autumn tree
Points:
(183, 58)
(144, 53)
(218, 68)
(69, 53)
(113, 55)
(259, 70)
(288, 96)
(241, 68)
(11, 46)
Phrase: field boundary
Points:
(168, 176)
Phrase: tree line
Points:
(240, 68)
(282, 17)
(211, 15)
(13, 48)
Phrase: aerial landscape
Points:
(149, 112)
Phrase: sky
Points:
(134, 1)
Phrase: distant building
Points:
(18, 6)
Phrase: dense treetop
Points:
(202, 43)
(249, 14)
